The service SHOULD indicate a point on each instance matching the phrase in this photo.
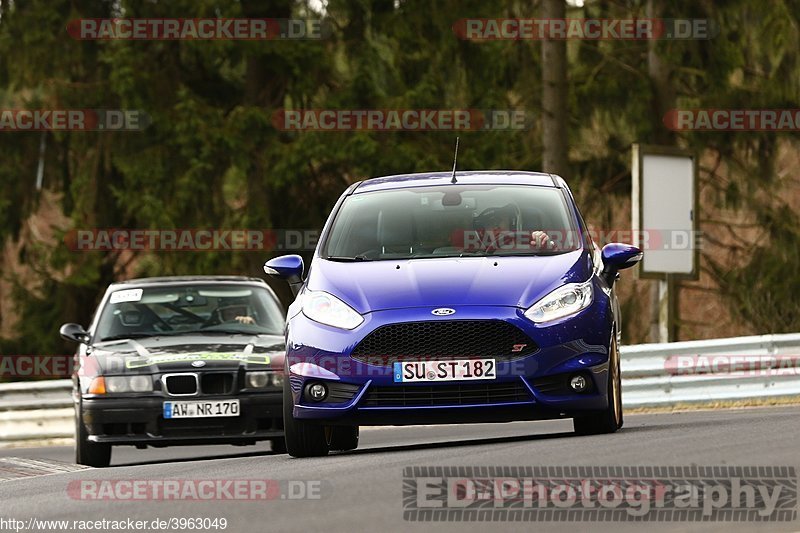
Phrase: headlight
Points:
(261, 380)
(257, 380)
(327, 309)
(118, 384)
(564, 301)
(277, 379)
(141, 384)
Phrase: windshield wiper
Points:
(477, 253)
(224, 332)
(345, 259)
(128, 336)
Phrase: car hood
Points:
(437, 282)
(154, 355)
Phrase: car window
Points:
(189, 309)
(425, 222)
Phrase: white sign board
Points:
(664, 211)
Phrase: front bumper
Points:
(532, 387)
(140, 420)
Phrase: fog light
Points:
(317, 391)
(578, 383)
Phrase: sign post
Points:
(664, 223)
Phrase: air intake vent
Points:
(462, 394)
(444, 339)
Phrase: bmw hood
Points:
(514, 281)
(155, 355)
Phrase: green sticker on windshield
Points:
(254, 359)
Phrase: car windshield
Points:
(192, 309)
(451, 221)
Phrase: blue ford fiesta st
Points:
(440, 298)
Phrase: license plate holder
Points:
(201, 409)
(438, 371)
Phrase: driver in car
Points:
(498, 227)
(235, 313)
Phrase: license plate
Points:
(200, 409)
(458, 370)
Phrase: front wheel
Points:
(344, 438)
(278, 445)
(610, 419)
(303, 439)
(89, 453)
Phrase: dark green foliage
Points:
(211, 157)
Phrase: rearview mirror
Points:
(74, 332)
(288, 267)
(618, 256)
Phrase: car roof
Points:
(167, 280)
(471, 177)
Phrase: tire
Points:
(87, 453)
(303, 439)
(278, 446)
(610, 419)
(344, 438)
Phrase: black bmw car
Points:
(179, 361)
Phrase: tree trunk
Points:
(660, 74)
(663, 100)
(554, 95)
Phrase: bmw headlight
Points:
(262, 380)
(257, 380)
(121, 384)
(564, 301)
(141, 383)
(277, 379)
(117, 384)
(327, 309)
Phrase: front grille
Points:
(181, 384)
(435, 395)
(444, 339)
(216, 383)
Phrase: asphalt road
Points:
(362, 490)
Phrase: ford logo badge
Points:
(443, 311)
(198, 364)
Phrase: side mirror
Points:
(618, 256)
(288, 267)
(74, 332)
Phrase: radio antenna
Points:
(455, 162)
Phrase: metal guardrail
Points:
(710, 371)
(36, 410)
(653, 375)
